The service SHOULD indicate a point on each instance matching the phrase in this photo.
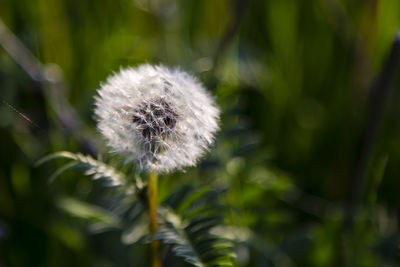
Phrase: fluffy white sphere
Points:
(160, 118)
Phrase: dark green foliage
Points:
(189, 228)
(294, 82)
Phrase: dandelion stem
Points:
(152, 201)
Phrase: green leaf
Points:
(87, 212)
(61, 154)
(189, 229)
(91, 166)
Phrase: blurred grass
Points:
(293, 83)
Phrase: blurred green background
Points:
(294, 81)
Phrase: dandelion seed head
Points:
(160, 118)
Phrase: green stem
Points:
(152, 201)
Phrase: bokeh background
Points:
(309, 148)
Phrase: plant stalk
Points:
(153, 202)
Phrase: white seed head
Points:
(160, 118)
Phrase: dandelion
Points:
(160, 118)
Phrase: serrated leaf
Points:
(189, 229)
(91, 166)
